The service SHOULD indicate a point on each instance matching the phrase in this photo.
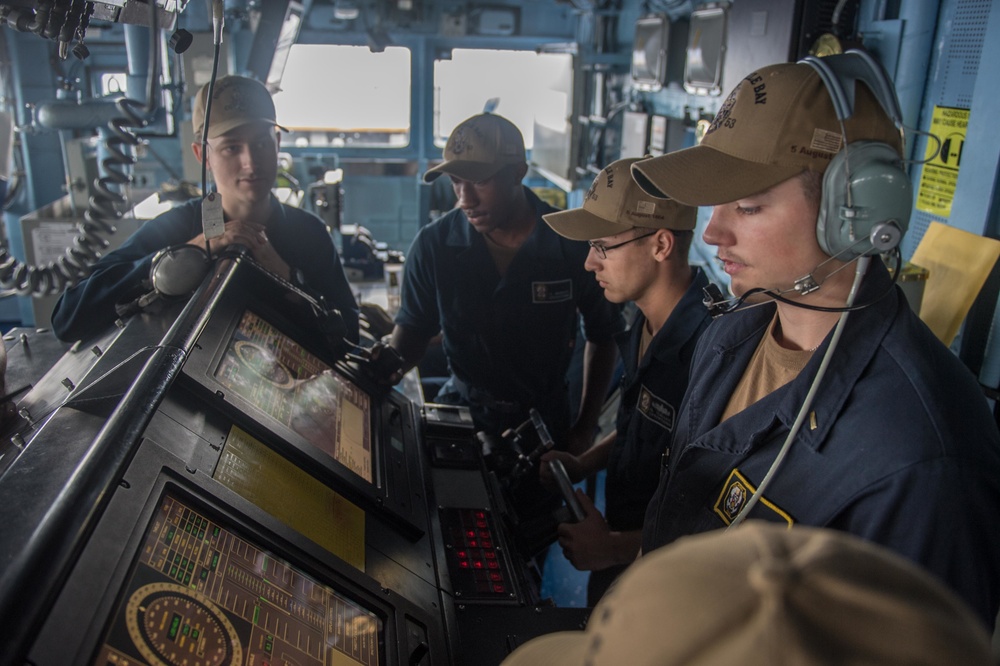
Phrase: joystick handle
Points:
(566, 490)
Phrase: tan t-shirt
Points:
(502, 255)
(771, 367)
(644, 341)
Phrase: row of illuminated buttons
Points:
(487, 581)
(484, 542)
(464, 554)
(478, 564)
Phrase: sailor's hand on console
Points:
(384, 365)
(254, 238)
(265, 255)
(587, 544)
(574, 469)
(237, 232)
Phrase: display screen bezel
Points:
(340, 586)
(396, 489)
(208, 353)
(298, 390)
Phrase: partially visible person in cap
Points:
(506, 293)
(766, 595)
(638, 253)
(897, 444)
(242, 156)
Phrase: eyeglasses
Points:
(602, 250)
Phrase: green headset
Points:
(867, 195)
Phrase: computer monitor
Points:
(204, 592)
(268, 369)
(264, 360)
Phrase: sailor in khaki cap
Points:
(506, 293)
(830, 403)
(766, 595)
(639, 253)
(241, 156)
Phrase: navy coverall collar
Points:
(677, 330)
(861, 338)
(542, 242)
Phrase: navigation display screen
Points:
(280, 378)
(201, 594)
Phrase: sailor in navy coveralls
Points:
(639, 253)
(898, 445)
(506, 293)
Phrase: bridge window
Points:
(474, 79)
(345, 96)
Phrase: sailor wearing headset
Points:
(830, 404)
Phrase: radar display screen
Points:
(280, 378)
(202, 595)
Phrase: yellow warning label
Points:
(943, 158)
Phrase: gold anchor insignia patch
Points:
(736, 492)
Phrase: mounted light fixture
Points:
(345, 10)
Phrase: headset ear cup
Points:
(880, 192)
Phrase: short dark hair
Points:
(812, 185)
(682, 238)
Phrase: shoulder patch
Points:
(736, 492)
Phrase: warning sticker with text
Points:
(943, 157)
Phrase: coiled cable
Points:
(106, 203)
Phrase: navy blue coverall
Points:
(900, 448)
(508, 340)
(300, 239)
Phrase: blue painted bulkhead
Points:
(934, 51)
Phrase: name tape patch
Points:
(558, 291)
(656, 409)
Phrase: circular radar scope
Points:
(171, 624)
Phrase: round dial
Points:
(172, 624)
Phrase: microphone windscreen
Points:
(177, 271)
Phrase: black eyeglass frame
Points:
(602, 250)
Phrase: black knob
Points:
(418, 653)
(181, 40)
(80, 51)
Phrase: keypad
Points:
(475, 559)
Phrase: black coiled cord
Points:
(103, 210)
(98, 222)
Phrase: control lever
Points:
(382, 366)
(525, 463)
(566, 490)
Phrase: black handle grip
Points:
(566, 489)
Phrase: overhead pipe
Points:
(920, 21)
